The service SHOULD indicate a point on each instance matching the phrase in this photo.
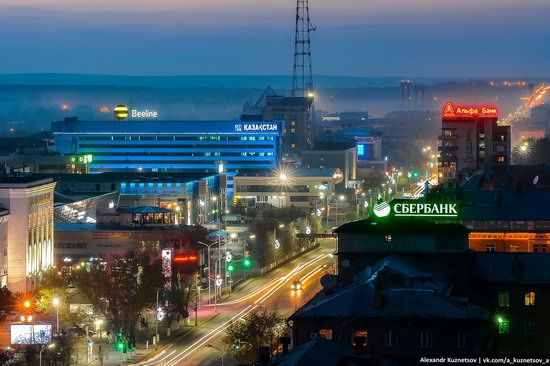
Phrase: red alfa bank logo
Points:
(451, 111)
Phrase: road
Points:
(271, 289)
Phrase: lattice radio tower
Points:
(302, 78)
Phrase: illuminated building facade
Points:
(306, 188)
(30, 233)
(170, 146)
(472, 141)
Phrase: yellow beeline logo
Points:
(121, 111)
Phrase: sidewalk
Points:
(112, 357)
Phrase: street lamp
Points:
(49, 346)
(55, 302)
(340, 198)
(208, 274)
(276, 241)
(216, 348)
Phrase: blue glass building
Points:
(170, 146)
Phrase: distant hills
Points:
(206, 81)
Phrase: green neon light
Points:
(434, 215)
(382, 209)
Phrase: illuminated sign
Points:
(82, 159)
(186, 258)
(30, 333)
(330, 118)
(381, 209)
(463, 111)
(260, 127)
(144, 114)
(121, 111)
(361, 149)
(413, 208)
(425, 209)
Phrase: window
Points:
(391, 338)
(504, 298)
(426, 338)
(539, 248)
(325, 333)
(529, 327)
(387, 238)
(503, 326)
(490, 247)
(292, 130)
(460, 339)
(501, 159)
(530, 298)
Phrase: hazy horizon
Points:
(470, 39)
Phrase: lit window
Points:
(391, 338)
(292, 130)
(530, 298)
(490, 248)
(539, 248)
(325, 333)
(504, 298)
(293, 146)
(426, 338)
(387, 238)
(529, 327)
(503, 326)
(460, 339)
(501, 159)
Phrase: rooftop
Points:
(26, 181)
(372, 294)
(145, 210)
(112, 177)
(398, 224)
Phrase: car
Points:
(12, 316)
(296, 286)
(79, 332)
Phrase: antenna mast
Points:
(302, 78)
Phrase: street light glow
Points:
(55, 301)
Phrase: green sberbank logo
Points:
(414, 208)
(382, 209)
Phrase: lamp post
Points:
(157, 338)
(216, 348)
(55, 302)
(49, 346)
(208, 253)
(276, 241)
(340, 198)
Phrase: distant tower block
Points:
(302, 77)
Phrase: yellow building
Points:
(27, 246)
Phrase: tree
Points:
(121, 287)
(314, 223)
(181, 294)
(261, 327)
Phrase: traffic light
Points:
(247, 262)
(415, 174)
(230, 267)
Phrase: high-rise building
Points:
(27, 240)
(170, 146)
(295, 114)
(472, 142)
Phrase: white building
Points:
(27, 238)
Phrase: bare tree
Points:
(262, 327)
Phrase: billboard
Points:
(30, 334)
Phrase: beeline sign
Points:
(464, 111)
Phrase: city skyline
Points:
(376, 38)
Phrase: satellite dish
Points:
(536, 180)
